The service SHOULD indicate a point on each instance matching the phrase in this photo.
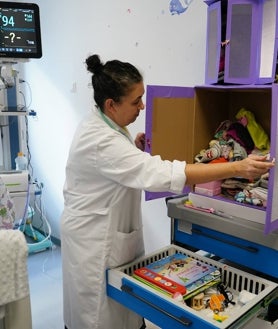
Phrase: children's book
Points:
(181, 269)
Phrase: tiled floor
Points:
(45, 280)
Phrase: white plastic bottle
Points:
(21, 162)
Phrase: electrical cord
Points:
(27, 210)
(48, 236)
(222, 288)
(30, 92)
(32, 113)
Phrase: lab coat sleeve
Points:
(123, 162)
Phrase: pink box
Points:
(210, 189)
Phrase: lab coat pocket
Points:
(126, 247)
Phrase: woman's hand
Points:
(140, 141)
(254, 166)
(250, 168)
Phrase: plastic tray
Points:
(167, 312)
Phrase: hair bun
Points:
(94, 64)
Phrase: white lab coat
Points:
(101, 225)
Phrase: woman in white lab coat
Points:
(101, 225)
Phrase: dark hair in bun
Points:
(114, 79)
(94, 64)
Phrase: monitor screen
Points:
(20, 33)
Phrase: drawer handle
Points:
(248, 248)
(181, 320)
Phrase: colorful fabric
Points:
(256, 131)
(7, 209)
(241, 135)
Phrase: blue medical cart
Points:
(245, 256)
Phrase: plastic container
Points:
(210, 189)
(21, 162)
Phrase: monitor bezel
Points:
(35, 8)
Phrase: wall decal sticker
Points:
(179, 6)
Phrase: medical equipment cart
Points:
(245, 256)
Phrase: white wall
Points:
(168, 49)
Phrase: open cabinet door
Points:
(169, 125)
(268, 41)
(214, 36)
(272, 204)
(242, 33)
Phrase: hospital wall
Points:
(168, 48)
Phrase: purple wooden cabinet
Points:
(180, 121)
(241, 41)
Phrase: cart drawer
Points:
(167, 312)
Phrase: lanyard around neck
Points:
(124, 131)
